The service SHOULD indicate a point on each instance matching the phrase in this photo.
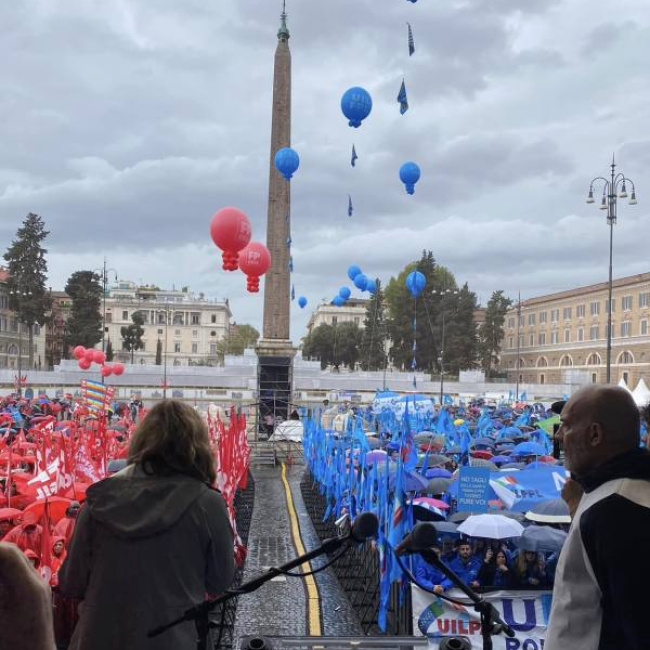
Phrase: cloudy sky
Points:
(127, 123)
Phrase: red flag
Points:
(46, 545)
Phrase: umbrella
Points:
(482, 453)
(483, 442)
(513, 466)
(528, 449)
(542, 538)
(423, 436)
(459, 517)
(376, 456)
(500, 459)
(10, 513)
(428, 501)
(57, 508)
(552, 511)
(437, 459)
(454, 450)
(427, 509)
(447, 527)
(373, 443)
(414, 482)
(438, 485)
(491, 527)
(437, 472)
(480, 462)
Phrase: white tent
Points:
(641, 393)
(288, 431)
(622, 384)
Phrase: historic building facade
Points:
(353, 311)
(562, 337)
(188, 326)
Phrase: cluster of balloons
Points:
(87, 356)
(356, 105)
(231, 231)
(415, 283)
(361, 280)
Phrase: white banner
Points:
(526, 612)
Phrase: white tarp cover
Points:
(288, 431)
(641, 393)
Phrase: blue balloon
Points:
(356, 105)
(302, 302)
(415, 283)
(371, 286)
(353, 271)
(287, 162)
(338, 301)
(409, 174)
(345, 292)
(361, 282)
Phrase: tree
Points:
(491, 332)
(334, 345)
(159, 350)
(461, 338)
(373, 351)
(319, 344)
(27, 269)
(110, 355)
(239, 338)
(85, 322)
(132, 334)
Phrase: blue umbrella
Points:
(529, 449)
(483, 442)
(552, 511)
(413, 482)
(437, 472)
(500, 459)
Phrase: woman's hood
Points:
(134, 505)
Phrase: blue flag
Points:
(402, 99)
(350, 208)
(353, 162)
(291, 264)
(411, 41)
(293, 292)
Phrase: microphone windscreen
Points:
(424, 535)
(365, 526)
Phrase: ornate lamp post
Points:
(614, 188)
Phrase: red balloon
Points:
(118, 369)
(84, 364)
(89, 355)
(107, 371)
(230, 230)
(99, 357)
(254, 261)
(79, 352)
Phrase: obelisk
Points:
(275, 351)
(277, 280)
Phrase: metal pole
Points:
(442, 357)
(165, 355)
(20, 358)
(104, 309)
(518, 344)
(611, 218)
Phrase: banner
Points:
(526, 612)
(521, 490)
(473, 489)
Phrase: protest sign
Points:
(473, 489)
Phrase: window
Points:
(213, 318)
(613, 306)
(580, 311)
(542, 378)
(195, 334)
(555, 315)
(177, 332)
(593, 332)
(177, 319)
(177, 347)
(541, 338)
(531, 340)
(626, 377)
(125, 315)
(566, 360)
(35, 347)
(542, 362)
(581, 334)
(594, 378)
(37, 331)
(566, 313)
(335, 320)
(626, 303)
(567, 336)
(625, 329)
(644, 299)
(625, 357)
(542, 317)
(521, 321)
(531, 319)
(213, 333)
(613, 330)
(643, 329)
(109, 317)
(521, 341)
(196, 318)
(356, 320)
(511, 341)
(511, 322)
(594, 308)
(213, 348)
(160, 331)
(195, 348)
(593, 359)
(553, 338)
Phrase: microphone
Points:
(423, 536)
(364, 527)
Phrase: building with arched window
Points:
(565, 333)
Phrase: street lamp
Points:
(104, 274)
(18, 296)
(166, 312)
(443, 293)
(613, 188)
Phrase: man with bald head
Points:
(603, 573)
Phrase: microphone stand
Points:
(199, 613)
(491, 621)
